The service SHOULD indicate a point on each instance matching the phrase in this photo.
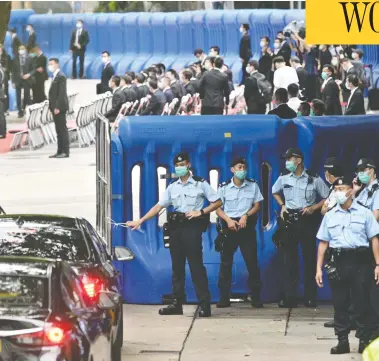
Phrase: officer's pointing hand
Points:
(133, 224)
(193, 214)
(319, 278)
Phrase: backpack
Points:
(265, 88)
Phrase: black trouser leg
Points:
(81, 63)
(3, 122)
(211, 111)
(6, 91)
(19, 100)
(291, 270)
(178, 260)
(39, 92)
(244, 72)
(193, 245)
(62, 133)
(374, 310)
(75, 55)
(27, 99)
(225, 274)
(248, 246)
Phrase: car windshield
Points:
(23, 291)
(42, 240)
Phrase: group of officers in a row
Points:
(348, 235)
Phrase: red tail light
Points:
(49, 336)
(92, 286)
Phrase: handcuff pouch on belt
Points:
(221, 237)
(175, 218)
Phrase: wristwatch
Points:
(246, 214)
(202, 212)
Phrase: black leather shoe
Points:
(174, 309)
(205, 310)
(54, 155)
(62, 155)
(256, 303)
(287, 304)
(223, 303)
(342, 348)
(362, 345)
(310, 303)
(329, 324)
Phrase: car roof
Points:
(25, 266)
(52, 220)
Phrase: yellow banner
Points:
(342, 22)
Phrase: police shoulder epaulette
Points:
(223, 184)
(285, 172)
(198, 179)
(311, 173)
(251, 180)
(361, 204)
(331, 208)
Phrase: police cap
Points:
(365, 163)
(181, 157)
(344, 180)
(238, 160)
(334, 167)
(293, 152)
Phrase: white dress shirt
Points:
(55, 73)
(351, 95)
(294, 103)
(78, 32)
(325, 82)
(285, 76)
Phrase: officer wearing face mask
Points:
(186, 225)
(346, 232)
(78, 45)
(297, 191)
(241, 199)
(106, 73)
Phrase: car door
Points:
(95, 324)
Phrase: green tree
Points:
(5, 13)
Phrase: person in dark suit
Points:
(229, 74)
(176, 87)
(106, 73)
(157, 100)
(142, 90)
(40, 74)
(252, 94)
(356, 103)
(23, 78)
(16, 42)
(282, 110)
(318, 108)
(348, 69)
(78, 45)
(117, 100)
(58, 105)
(213, 88)
(130, 95)
(189, 86)
(282, 49)
(301, 74)
(330, 92)
(166, 89)
(245, 50)
(32, 39)
(6, 63)
(265, 61)
(3, 121)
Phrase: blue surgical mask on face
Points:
(290, 165)
(324, 75)
(240, 174)
(181, 171)
(341, 197)
(364, 177)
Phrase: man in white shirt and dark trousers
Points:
(356, 103)
(284, 75)
(293, 94)
(78, 44)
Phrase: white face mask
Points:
(355, 56)
(262, 44)
(276, 45)
(104, 59)
(321, 47)
(21, 52)
(28, 30)
(341, 197)
(334, 62)
(248, 69)
(242, 30)
(79, 25)
(51, 68)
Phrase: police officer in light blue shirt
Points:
(300, 194)
(346, 232)
(369, 195)
(187, 223)
(241, 199)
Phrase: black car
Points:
(37, 254)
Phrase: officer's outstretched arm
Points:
(375, 250)
(152, 213)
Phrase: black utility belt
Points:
(179, 217)
(358, 250)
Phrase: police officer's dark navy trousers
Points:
(186, 243)
(355, 279)
(304, 231)
(246, 239)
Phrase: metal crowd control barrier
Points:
(103, 180)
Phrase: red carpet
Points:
(5, 144)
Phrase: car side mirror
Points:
(122, 254)
(108, 300)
